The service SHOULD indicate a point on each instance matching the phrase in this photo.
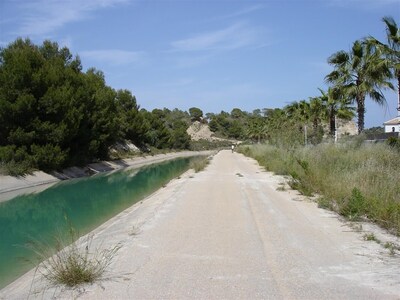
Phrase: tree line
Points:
(53, 115)
(367, 69)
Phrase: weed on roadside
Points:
(392, 247)
(324, 202)
(371, 237)
(298, 183)
(357, 227)
(281, 187)
(354, 207)
(134, 231)
(199, 164)
(70, 262)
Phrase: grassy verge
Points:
(357, 180)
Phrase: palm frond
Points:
(391, 26)
(339, 58)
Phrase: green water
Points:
(87, 203)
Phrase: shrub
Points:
(48, 157)
(15, 161)
(199, 164)
(393, 142)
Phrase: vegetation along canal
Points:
(86, 203)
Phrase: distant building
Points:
(392, 125)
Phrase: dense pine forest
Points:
(55, 115)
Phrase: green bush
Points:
(15, 161)
(394, 142)
(48, 157)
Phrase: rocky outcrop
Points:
(200, 131)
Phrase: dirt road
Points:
(228, 233)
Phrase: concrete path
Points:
(228, 233)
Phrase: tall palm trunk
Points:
(315, 126)
(332, 124)
(360, 112)
(398, 92)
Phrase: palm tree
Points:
(361, 72)
(257, 129)
(276, 119)
(335, 106)
(299, 113)
(317, 112)
(391, 50)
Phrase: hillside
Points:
(199, 131)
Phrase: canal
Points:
(85, 203)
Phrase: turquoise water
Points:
(86, 202)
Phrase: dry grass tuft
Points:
(72, 264)
(199, 164)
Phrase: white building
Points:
(392, 125)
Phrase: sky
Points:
(212, 54)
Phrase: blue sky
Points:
(212, 54)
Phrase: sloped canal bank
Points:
(86, 203)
